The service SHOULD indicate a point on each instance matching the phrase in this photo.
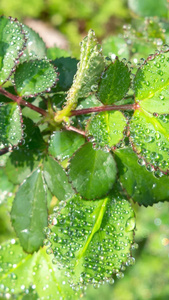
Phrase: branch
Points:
(71, 128)
(20, 101)
(103, 108)
(4, 150)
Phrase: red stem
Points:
(20, 101)
(102, 108)
(71, 128)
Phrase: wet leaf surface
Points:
(56, 179)
(12, 42)
(150, 138)
(91, 240)
(24, 273)
(141, 185)
(10, 125)
(34, 77)
(63, 144)
(151, 84)
(29, 212)
(89, 70)
(92, 172)
(35, 46)
(106, 128)
(114, 83)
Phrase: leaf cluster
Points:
(81, 140)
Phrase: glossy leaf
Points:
(66, 67)
(29, 212)
(151, 84)
(23, 272)
(149, 8)
(92, 172)
(63, 144)
(89, 69)
(34, 77)
(91, 240)
(106, 128)
(140, 184)
(20, 164)
(150, 138)
(57, 180)
(12, 42)
(10, 124)
(114, 83)
(35, 46)
(23, 160)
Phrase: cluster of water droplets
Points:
(35, 77)
(151, 143)
(10, 127)
(93, 258)
(106, 130)
(12, 44)
(8, 266)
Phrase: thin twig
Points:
(71, 128)
(20, 101)
(102, 108)
(4, 150)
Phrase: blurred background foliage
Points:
(149, 277)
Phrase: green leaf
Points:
(149, 8)
(150, 138)
(10, 125)
(57, 180)
(29, 212)
(5, 186)
(20, 164)
(151, 84)
(92, 239)
(106, 128)
(140, 184)
(89, 69)
(12, 42)
(55, 52)
(67, 68)
(35, 46)
(54, 284)
(36, 142)
(23, 160)
(114, 83)
(34, 77)
(92, 172)
(21, 271)
(63, 144)
(115, 46)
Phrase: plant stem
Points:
(4, 150)
(71, 128)
(20, 101)
(103, 108)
